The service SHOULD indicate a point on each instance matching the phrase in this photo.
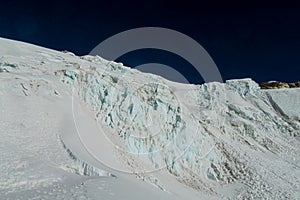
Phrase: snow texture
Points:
(86, 128)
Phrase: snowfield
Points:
(87, 128)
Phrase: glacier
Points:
(82, 127)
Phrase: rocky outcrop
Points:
(277, 85)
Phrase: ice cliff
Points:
(215, 133)
(207, 136)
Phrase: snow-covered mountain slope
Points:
(86, 128)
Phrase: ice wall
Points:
(202, 134)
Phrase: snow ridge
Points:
(206, 138)
(81, 167)
(226, 140)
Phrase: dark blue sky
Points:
(256, 40)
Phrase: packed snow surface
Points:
(87, 128)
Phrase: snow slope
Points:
(86, 128)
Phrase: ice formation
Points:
(223, 140)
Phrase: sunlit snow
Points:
(86, 128)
